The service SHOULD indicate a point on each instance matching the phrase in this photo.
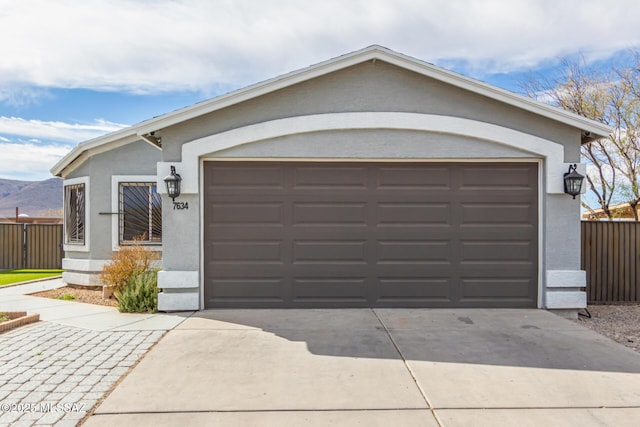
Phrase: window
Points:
(74, 211)
(140, 213)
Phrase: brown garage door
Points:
(370, 234)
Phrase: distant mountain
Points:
(34, 198)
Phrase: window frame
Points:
(116, 182)
(83, 246)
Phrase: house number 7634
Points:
(180, 205)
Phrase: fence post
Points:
(24, 246)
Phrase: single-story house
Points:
(370, 180)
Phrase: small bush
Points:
(126, 263)
(4, 317)
(139, 294)
(67, 297)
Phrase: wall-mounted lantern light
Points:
(573, 181)
(173, 183)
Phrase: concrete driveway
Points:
(378, 368)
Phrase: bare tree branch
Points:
(613, 98)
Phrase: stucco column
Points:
(564, 281)
(179, 277)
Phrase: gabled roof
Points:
(144, 130)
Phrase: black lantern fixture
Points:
(173, 183)
(573, 181)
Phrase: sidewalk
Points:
(55, 371)
(81, 315)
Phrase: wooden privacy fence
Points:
(34, 246)
(611, 258)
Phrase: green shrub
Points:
(139, 294)
(4, 317)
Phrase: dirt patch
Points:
(621, 323)
(86, 295)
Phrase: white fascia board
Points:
(329, 66)
(92, 147)
(499, 94)
(256, 90)
(386, 55)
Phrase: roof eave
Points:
(85, 147)
(258, 89)
(587, 125)
(599, 130)
(592, 129)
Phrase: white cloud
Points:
(41, 144)
(30, 161)
(164, 45)
(22, 97)
(55, 131)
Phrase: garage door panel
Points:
(494, 251)
(416, 270)
(302, 233)
(413, 232)
(497, 200)
(333, 178)
(491, 288)
(403, 214)
(343, 251)
(246, 213)
(238, 232)
(322, 288)
(231, 269)
(419, 251)
(240, 287)
(236, 177)
(482, 178)
(423, 177)
(329, 213)
(496, 213)
(329, 270)
(371, 235)
(497, 269)
(247, 251)
(497, 233)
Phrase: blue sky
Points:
(71, 71)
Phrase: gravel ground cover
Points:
(620, 323)
(89, 296)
